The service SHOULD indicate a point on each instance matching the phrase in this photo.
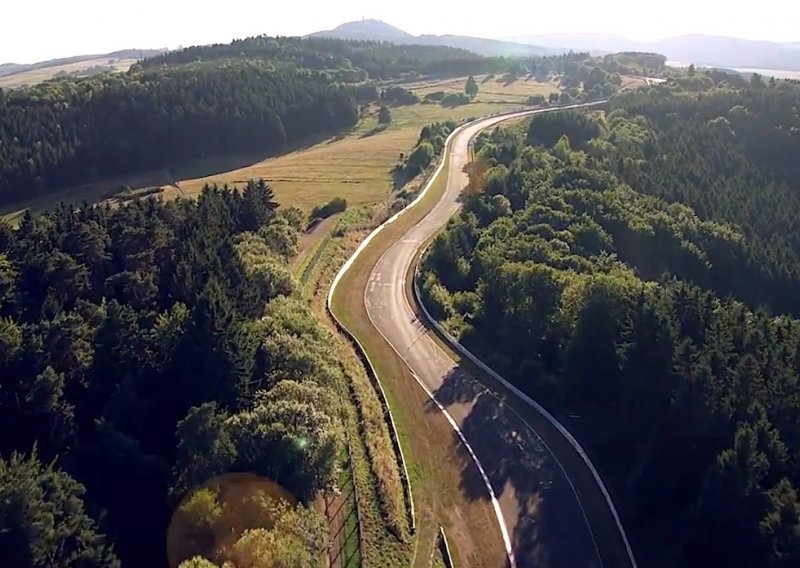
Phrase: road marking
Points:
(512, 561)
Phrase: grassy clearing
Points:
(490, 89)
(427, 438)
(38, 75)
(632, 82)
(356, 165)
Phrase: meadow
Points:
(355, 165)
(78, 68)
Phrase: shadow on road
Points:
(549, 529)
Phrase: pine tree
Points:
(43, 521)
(471, 88)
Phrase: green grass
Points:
(352, 548)
(304, 271)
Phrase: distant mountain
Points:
(700, 49)
(376, 30)
(367, 30)
(597, 43)
(7, 69)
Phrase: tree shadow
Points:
(372, 132)
(550, 529)
(224, 163)
(401, 176)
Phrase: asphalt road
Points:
(544, 522)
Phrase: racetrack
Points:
(545, 523)
(540, 516)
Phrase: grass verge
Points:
(380, 493)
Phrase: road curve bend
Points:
(541, 518)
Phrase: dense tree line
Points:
(731, 154)
(143, 350)
(351, 60)
(610, 301)
(363, 59)
(63, 133)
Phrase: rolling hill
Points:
(700, 49)
(17, 74)
(376, 30)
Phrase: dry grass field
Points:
(356, 165)
(490, 88)
(38, 75)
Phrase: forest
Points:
(636, 271)
(354, 60)
(68, 132)
(257, 95)
(145, 349)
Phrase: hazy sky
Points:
(41, 29)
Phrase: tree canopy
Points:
(147, 348)
(64, 133)
(639, 270)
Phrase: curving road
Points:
(542, 520)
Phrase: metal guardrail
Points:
(445, 547)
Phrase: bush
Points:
(456, 99)
(399, 96)
(335, 205)
(384, 115)
(435, 96)
(535, 100)
(421, 157)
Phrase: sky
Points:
(34, 30)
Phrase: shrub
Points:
(435, 96)
(335, 205)
(456, 99)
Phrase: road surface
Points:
(544, 522)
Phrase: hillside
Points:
(376, 30)
(18, 74)
(368, 30)
(698, 49)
